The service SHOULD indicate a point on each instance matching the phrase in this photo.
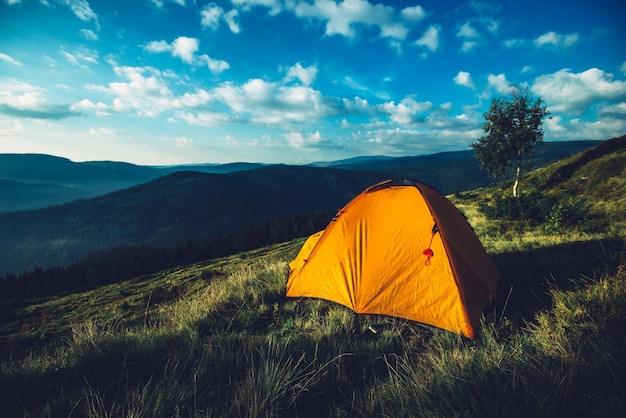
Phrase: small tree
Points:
(513, 127)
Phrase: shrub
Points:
(532, 208)
(545, 211)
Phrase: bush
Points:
(533, 208)
(545, 211)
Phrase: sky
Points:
(163, 82)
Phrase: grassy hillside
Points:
(219, 338)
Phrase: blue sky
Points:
(293, 81)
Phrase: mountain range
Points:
(80, 207)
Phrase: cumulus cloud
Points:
(211, 15)
(574, 92)
(216, 66)
(145, 93)
(345, 17)
(499, 83)
(298, 72)
(405, 112)
(463, 78)
(468, 46)
(185, 48)
(299, 140)
(467, 31)
(553, 39)
(275, 6)
(87, 105)
(430, 38)
(25, 100)
(182, 47)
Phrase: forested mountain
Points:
(33, 181)
(171, 210)
(187, 206)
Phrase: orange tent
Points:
(399, 248)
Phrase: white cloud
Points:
(559, 128)
(11, 60)
(99, 108)
(216, 66)
(405, 112)
(82, 10)
(345, 17)
(203, 118)
(184, 48)
(21, 95)
(81, 58)
(526, 69)
(514, 43)
(159, 4)
(554, 39)
(491, 25)
(158, 47)
(618, 109)
(468, 46)
(305, 75)
(574, 92)
(499, 83)
(467, 31)
(298, 140)
(24, 100)
(623, 68)
(211, 15)
(470, 36)
(231, 19)
(430, 38)
(414, 13)
(106, 133)
(146, 93)
(463, 78)
(88, 34)
(275, 6)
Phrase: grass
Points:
(219, 338)
(233, 346)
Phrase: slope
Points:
(169, 211)
(218, 338)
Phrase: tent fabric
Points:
(399, 248)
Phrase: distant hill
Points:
(171, 210)
(38, 181)
(33, 181)
(188, 205)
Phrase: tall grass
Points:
(232, 345)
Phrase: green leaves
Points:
(513, 128)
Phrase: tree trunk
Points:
(518, 172)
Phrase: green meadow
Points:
(219, 338)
